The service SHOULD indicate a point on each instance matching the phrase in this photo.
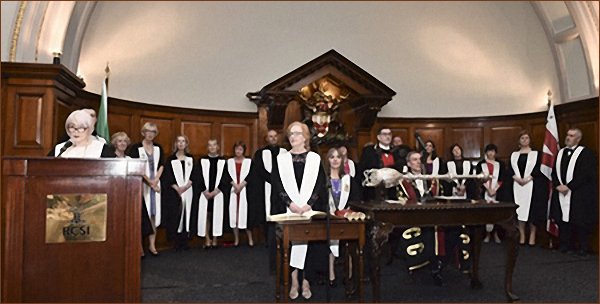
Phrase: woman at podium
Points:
(81, 143)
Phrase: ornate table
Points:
(385, 216)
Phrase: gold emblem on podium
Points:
(72, 218)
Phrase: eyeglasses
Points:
(72, 129)
(386, 133)
(295, 134)
(151, 131)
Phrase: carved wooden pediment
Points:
(359, 95)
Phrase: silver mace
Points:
(391, 177)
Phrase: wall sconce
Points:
(549, 98)
(56, 59)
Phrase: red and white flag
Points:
(550, 151)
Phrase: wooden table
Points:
(314, 230)
(386, 216)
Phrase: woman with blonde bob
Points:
(153, 154)
(299, 187)
(120, 141)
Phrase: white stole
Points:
(93, 150)
(187, 196)
(494, 181)
(242, 213)
(268, 163)
(466, 170)
(217, 222)
(523, 194)
(565, 199)
(435, 166)
(351, 167)
(334, 245)
(145, 187)
(298, 197)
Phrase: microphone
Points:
(64, 148)
(419, 140)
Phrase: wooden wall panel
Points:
(434, 134)
(165, 132)
(402, 132)
(506, 139)
(589, 129)
(198, 133)
(537, 132)
(230, 133)
(120, 123)
(28, 126)
(470, 139)
(62, 110)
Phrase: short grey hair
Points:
(80, 118)
(578, 131)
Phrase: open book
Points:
(296, 217)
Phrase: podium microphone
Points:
(64, 148)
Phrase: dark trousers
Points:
(570, 234)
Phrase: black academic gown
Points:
(371, 159)
(256, 184)
(539, 196)
(502, 194)
(134, 153)
(584, 188)
(318, 252)
(171, 201)
(199, 186)
(107, 152)
(470, 184)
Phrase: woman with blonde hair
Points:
(299, 187)
(120, 141)
(153, 154)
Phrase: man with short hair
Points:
(401, 149)
(377, 157)
(574, 204)
(259, 188)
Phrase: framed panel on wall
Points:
(506, 139)
(436, 135)
(165, 132)
(232, 132)
(198, 133)
(470, 139)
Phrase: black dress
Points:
(317, 255)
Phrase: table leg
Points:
(286, 265)
(347, 288)
(361, 267)
(512, 251)
(477, 232)
(278, 271)
(378, 236)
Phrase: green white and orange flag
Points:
(102, 126)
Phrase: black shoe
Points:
(582, 253)
(437, 280)
(206, 247)
(155, 253)
(333, 283)
(251, 246)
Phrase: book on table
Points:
(312, 214)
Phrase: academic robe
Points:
(349, 193)
(294, 180)
(578, 172)
(177, 208)
(137, 151)
(532, 198)
(417, 245)
(499, 175)
(372, 158)
(460, 167)
(244, 215)
(259, 183)
(96, 149)
(209, 173)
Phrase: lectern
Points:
(71, 230)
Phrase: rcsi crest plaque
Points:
(72, 218)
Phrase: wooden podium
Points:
(68, 269)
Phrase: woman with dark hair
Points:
(153, 154)
(341, 192)
(178, 193)
(238, 168)
(493, 190)
(457, 165)
(433, 164)
(529, 187)
(299, 187)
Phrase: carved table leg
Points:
(378, 236)
(478, 233)
(512, 251)
(278, 272)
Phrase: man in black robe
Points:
(575, 194)
(260, 174)
(379, 156)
